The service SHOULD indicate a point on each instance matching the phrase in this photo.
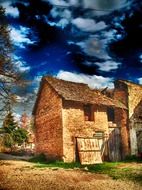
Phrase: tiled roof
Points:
(80, 92)
(129, 83)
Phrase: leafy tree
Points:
(12, 133)
(9, 123)
(8, 140)
(20, 135)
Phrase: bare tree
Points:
(8, 77)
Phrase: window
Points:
(99, 134)
(88, 113)
(140, 117)
(110, 114)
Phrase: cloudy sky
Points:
(90, 41)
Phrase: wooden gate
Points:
(89, 150)
(114, 144)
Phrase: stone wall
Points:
(48, 123)
(74, 125)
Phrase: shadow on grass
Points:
(133, 158)
(112, 169)
(42, 162)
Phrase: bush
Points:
(40, 158)
(8, 140)
(132, 158)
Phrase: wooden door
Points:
(114, 144)
(139, 141)
(89, 150)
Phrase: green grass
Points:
(41, 158)
(42, 162)
(112, 169)
(59, 164)
(133, 159)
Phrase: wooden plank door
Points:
(89, 150)
(114, 144)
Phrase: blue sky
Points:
(90, 41)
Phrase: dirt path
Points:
(21, 175)
(4, 156)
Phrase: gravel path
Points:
(21, 175)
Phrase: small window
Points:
(110, 114)
(88, 113)
(99, 134)
(140, 117)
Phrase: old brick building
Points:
(131, 95)
(72, 121)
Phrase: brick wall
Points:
(48, 123)
(121, 120)
(135, 107)
(121, 92)
(128, 93)
(121, 116)
(74, 125)
(131, 95)
(134, 98)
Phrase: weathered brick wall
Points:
(135, 126)
(74, 125)
(128, 93)
(48, 123)
(121, 117)
(121, 92)
(134, 98)
(131, 95)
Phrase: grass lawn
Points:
(130, 169)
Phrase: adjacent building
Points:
(131, 95)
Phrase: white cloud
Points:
(93, 4)
(64, 15)
(64, 2)
(36, 82)
(140, 58)
(63, 23)
(10, 10)
(38, 78)
(20, 65)
(93, 81)
(105, 5)
(58, 2)
(88, 25)
(95, 47)
(109, 35)
(17, 117)
(108, 65)
(20, 36)
(24, 103)
(140, 80)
